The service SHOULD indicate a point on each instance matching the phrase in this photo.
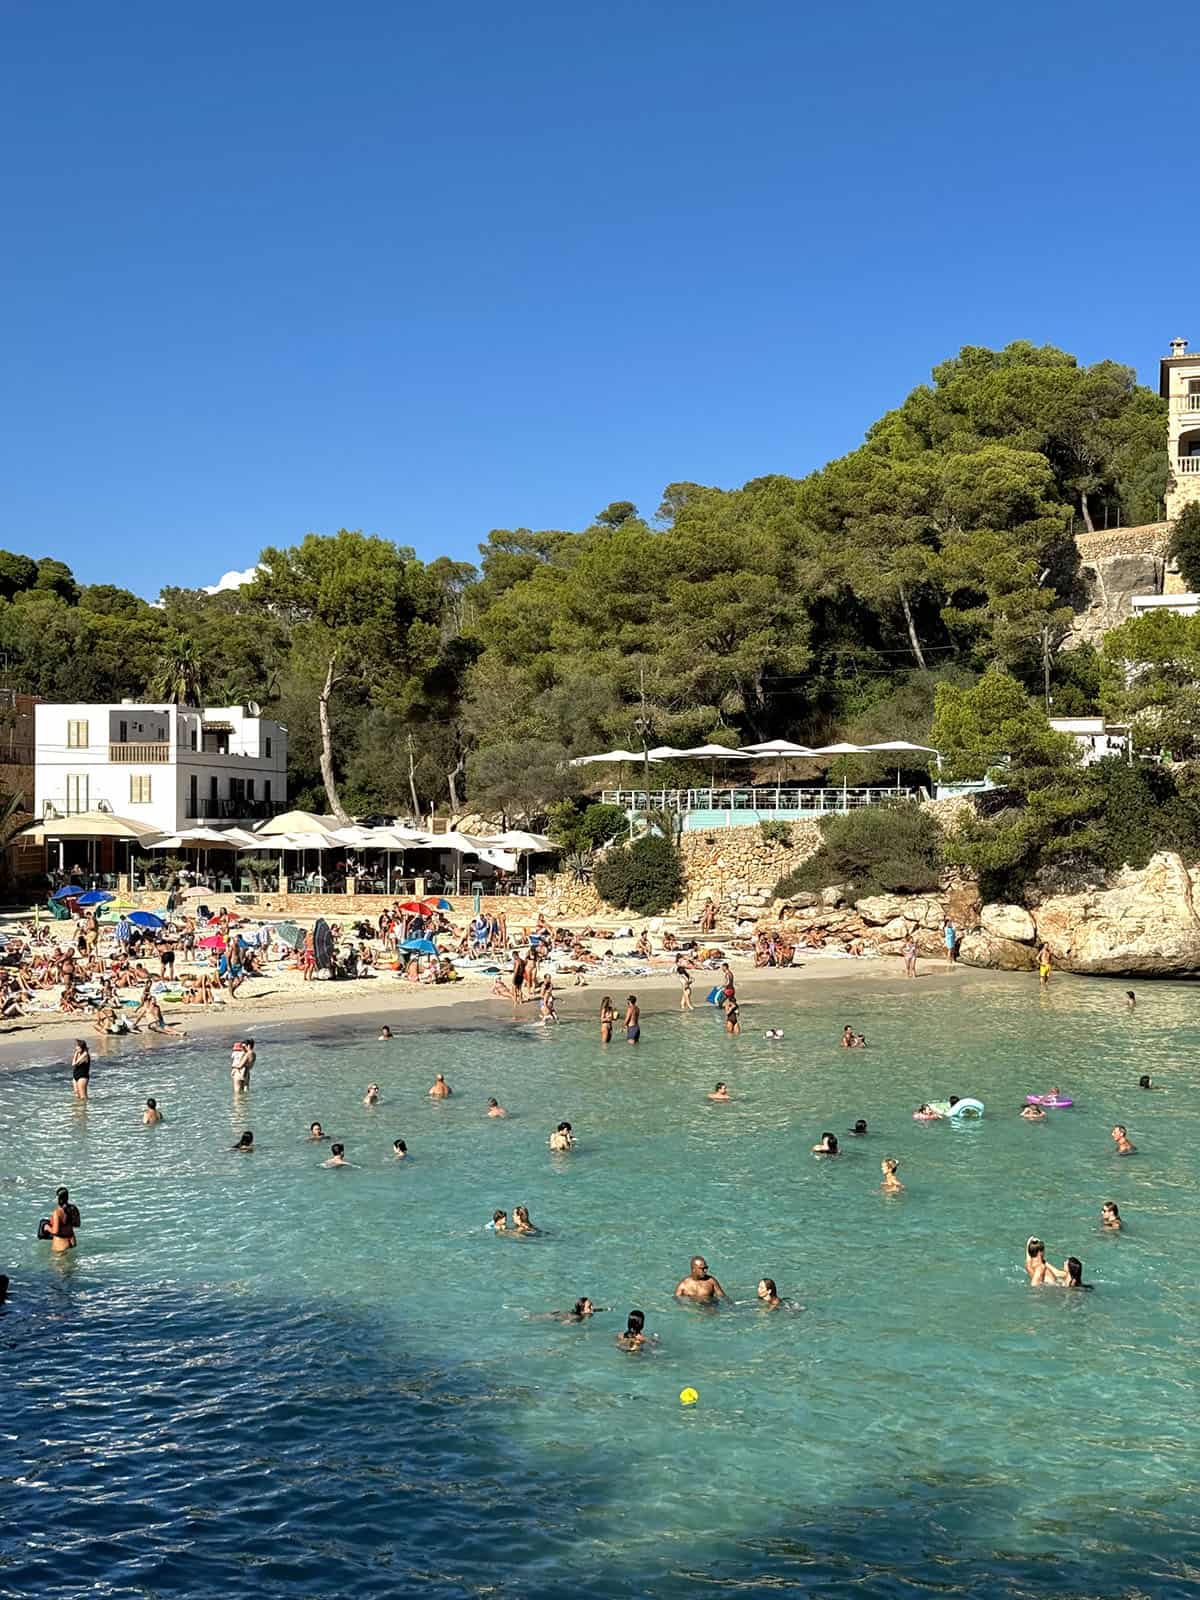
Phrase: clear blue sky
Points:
(429, 270)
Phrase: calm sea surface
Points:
(258, 1377)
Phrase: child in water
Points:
(891, 1183)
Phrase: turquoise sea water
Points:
(257, 1377)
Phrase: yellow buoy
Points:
(688, 1397)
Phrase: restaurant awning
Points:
(90, 825)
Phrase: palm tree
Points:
(13, 817)
(178, 674)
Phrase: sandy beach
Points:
(282, 997)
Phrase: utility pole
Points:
(642, 725)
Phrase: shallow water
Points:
(256, 1376)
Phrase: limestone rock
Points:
(1145, 922)
(832, 896)
(897, 928)
(880, 909)
(1109, 583)
(983, 949)
(1008, 922)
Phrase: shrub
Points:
(600, 824)
(645, 878)
(776, 832)
(1184, 549)
(892, 849)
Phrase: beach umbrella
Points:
(291, 934)
(423, 947)
(195, 891)
(606, 756)
(96, 897)
(70, 891)
(415, 908)
(441, 905)
(777, 747)
(146, 919)
(714, 752)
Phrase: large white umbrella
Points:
(714, 752)
(777, 747)
(297, 822)
(90, 825)
(196, 839)
(608, 755)
(519, 842)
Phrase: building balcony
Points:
(139, 754)
(1185, 402)
(208, 810)
(1188, 466)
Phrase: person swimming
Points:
(1074, 1274)
(768, 1294)
(1039, 1269)
(1130, 1000)
(926, 1113)
(371, 1098)
(563, 1137)
(316, 1132)
(828, 1145)
(495, 1109)
(1033, 1113)
(719, 1093)
(860, 1128)
(385, 1032)
(773, 1033)
(1145, 1081)
(699, 1283)
(440, 1089)
(61, 1224)
(337, 1156)
(246, 1143)
(1121, 1139)
(891, 1183)
(399, 1149)
(499, 1222)
(1110, 1217)
(152, 1114)
(634, 1336)
(521, 1222)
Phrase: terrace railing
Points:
(826, 800)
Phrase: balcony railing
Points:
(209, 810)
(1188, 466)
(140, 754)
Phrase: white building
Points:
(1177, 605)
(168, 767)
(1179, 385)
(1094, 736)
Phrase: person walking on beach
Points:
(633, 1021)
(685, 984)
(81, 1070)
(1044, 965)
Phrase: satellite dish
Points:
(253, 708)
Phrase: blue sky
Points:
(272, 268)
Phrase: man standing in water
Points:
(441, 1090)
(699, 1283)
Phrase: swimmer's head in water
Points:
(699, 1267)
(1035, 1247)
(583, 1308)
(337, 1149)
(152, 1104)
(720, 1089)
(246, 1141)
(499, 1220)
(315, 1129)
(1119, 1131)
(889, 1164)
(492, 1103)
(1144, 1081)
(1109, 1209)
(635, 1322)
(1074, 1272)
(767, 1289)
(385, 1033)
(860, 1127)
(521, 1214)
(401, 1149)
(954, 1098)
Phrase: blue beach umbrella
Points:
(69, 891)
(145, 919)
(422, 947)
(96, 897)
(442, 905)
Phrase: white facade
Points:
(1179, 385)
(1094, 736)
(169, 767)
